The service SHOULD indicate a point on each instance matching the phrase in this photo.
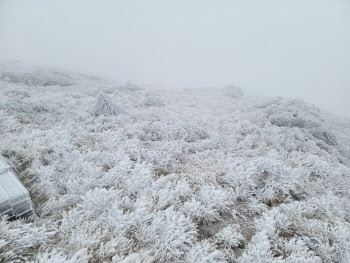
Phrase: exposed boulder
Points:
(296, 113)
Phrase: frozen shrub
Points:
(267, 180)
(37, 77)
(322, 134)
(205, 252)
(214, 198)
(162, 131)
(160, 156)
(262, 250)
(144, 257)
(200, 213)
(8, 123)
(131, 86)
(55, 256)
(18, 239)
(21, 106)
(172, 193)
(153, 101)
(229, 237)
(104, 106)
(17, 93)
(233, 91)
(301, 232)
(171, 233)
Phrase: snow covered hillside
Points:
(121, 173)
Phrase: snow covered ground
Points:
(119, 173)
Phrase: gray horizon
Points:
(268, 48)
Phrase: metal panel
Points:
(14, 197)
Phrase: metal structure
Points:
(14, 197)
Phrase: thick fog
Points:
(298, 48)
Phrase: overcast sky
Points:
(298, 48)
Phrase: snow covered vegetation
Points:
(125, 174)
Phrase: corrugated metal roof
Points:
(14, 197)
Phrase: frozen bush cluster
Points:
(312, 231)
(35, 76)
(21, 106)
(129, 85)
(160, 131)
(55, 256)
(18, 239)
(198, 179)
(233, 91)
(154, 101)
